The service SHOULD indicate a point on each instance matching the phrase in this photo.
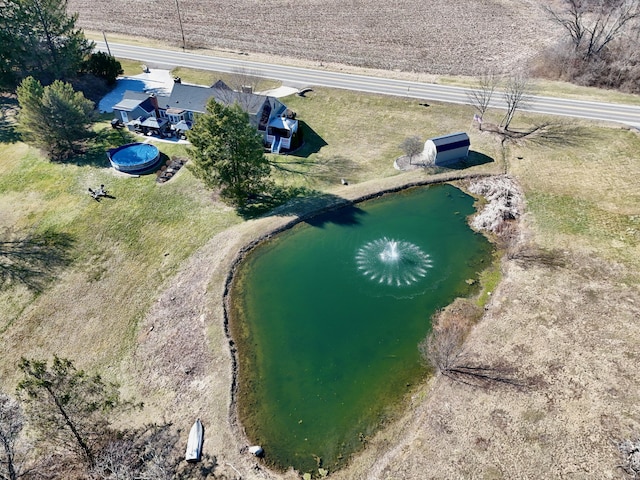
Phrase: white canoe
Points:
(194, 444)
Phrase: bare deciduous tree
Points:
(412, 146)
(516, 95)
(117, 461)
(443, 346)
(153, 452)
(11, 423)
(592, 25)
(480, 97)
(244, 80)
(443, 349)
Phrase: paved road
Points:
(306, 77)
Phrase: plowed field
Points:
(460, 37)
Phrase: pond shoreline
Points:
(335, 204)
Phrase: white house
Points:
(446, 149)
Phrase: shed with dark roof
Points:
(446, 149)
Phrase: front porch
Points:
(282, 134)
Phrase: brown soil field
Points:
(463, 37)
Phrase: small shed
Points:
(446, 149)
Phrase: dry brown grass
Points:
(460, 37)
(570, 330)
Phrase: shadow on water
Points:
(33, 260)
(346, 215)
(299, 201)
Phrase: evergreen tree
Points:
(69, 409)
(104, 66)
(40, 39)
(12, 51)
(54, 118)
(228, 153)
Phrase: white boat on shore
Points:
(194, 444)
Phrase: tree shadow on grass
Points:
(561, 135)
(34, 260)
(318, 169)
(311, 206)
(95, 152)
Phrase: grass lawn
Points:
(121, 250)
(124, 249)
(118, 254)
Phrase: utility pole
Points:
(181, 29)
(107, 43)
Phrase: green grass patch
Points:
(360, 135)
(582, 192)
(122, 251)
(234, 80)
(613, 235)
(489, 280)
(131, 67)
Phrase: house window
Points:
(124, 116)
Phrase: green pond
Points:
(329, 314)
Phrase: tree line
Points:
(40, 39)
(600, 45)
(43, 54)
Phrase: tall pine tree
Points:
(55, 119)
(228, 153)
(69, 409)
(40, 39)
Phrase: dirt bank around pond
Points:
(545, 321)
(186, 333)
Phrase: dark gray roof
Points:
(451, 141)
(221, 84)
(132, 100)
(195, 98)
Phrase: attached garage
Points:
(446, 149)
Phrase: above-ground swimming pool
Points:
(134, 157)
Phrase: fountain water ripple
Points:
(393, 262)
